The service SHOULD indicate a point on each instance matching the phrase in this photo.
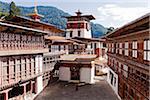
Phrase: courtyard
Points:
(67, 91)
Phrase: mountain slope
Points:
(54, 16)
(51, 15)
(98, 30)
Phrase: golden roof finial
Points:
(35, 7)
(35, 14)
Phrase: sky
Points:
(109, 13)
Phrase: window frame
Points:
(71, 33)
(134, 49)
(126, 47)
(79, 33)
(146, 50)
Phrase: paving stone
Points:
(63, 91)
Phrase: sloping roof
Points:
(55, 38)
(77, 41)
(90, 17)
(31, 22)
(89, 39)
(73, 57)
(22, 28)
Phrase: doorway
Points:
(75, 73)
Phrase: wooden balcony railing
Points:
(21, 42)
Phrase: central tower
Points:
(79, 26)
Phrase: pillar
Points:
(39, 79)
(92, 72)
(31, 85)
(24, 91)
(6, 95)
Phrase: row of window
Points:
(20, 45)
(134, 46)
(129, 93)
(78, 34)
(49, 62)
(19, 37)
(17, 68)
(127, 71)
(75, 25)
(54, 48)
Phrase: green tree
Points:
(13, 10)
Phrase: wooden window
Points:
(71, 33)
(5, 68)
(115, 81)
(59, 47)
(111, 77)
(120, 48)
(125, 72)
(147, 50)
(95, 46)
(126, 48)
(109, 47)
(112, 48)
(119, 67)
(78, 25)
(79, 33)
(12, 68)
(18, 67)
(49, 48)
(87, 26)
(91, 45)
(116, 48)
(134, 49)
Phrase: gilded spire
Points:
(35, 7)
(35, 14)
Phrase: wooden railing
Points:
(21, 42)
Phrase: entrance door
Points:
(75, 73)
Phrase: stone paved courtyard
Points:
(64, 91)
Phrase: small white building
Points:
(77, 67)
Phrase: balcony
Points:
(15, 44)
(10, 79)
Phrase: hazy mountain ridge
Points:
(54, 16)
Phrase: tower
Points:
(35, 16)
(79, 26)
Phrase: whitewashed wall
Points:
(64, 73)
(87, 75)
(84, 33)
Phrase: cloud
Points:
(117, 15)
